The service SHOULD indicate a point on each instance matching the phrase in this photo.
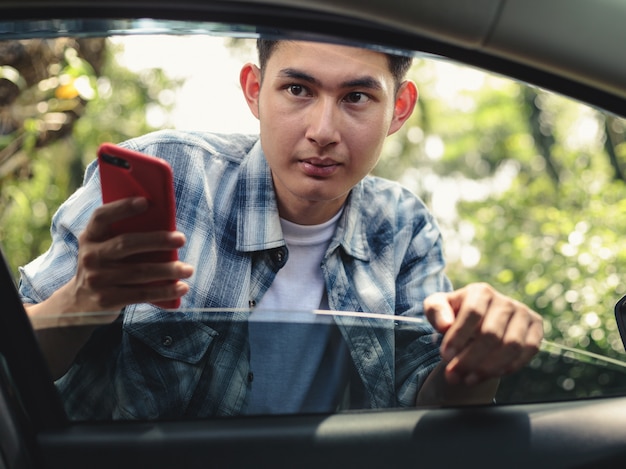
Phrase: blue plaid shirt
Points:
(385, 257)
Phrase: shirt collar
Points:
(258, 223)
(351, 230)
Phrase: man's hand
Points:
(486, 334)
(106, 280)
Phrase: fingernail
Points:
(448, 316)
(187, 271)
(176, 236)
(181, 288)
(140, 203)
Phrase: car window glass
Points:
(525, 184)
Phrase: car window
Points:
(525, 184)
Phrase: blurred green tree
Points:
(59, 99)
(528, 187)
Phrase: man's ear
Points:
(406, 98)
(250, 81)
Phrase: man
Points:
(244, 206)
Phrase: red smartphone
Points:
(126, 173)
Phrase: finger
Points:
(439, 312)
(118, 248)
(130, 275)
(498, 339)
(158, 272)
(513, 343)
(155, 293)
(532, 344)
(130, 244)
(472, 303)
(119, 296)
(98, 227)
(521, 340)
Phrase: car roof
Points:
(577, 40)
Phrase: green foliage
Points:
(126, 100)
(531, 201)
(557, 249)
(25, 219)
(112, 106)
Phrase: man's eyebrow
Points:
(363, 82)
(367, 82)
(299, 75)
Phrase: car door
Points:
(572, 429)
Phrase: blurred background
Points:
(528, 186)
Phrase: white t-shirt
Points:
(298, 359)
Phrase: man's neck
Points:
(314, 213)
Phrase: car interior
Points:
(142, 66)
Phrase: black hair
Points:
(398, 64)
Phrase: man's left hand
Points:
(486, 334)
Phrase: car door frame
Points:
(36, 433)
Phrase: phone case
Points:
(125, 173)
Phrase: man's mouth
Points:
(322, 162)
(319, 167)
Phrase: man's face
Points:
(324, 113)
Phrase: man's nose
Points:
(323, 122)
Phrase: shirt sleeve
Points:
(392, 260)
(55, 267)
(422, 272)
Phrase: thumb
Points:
(439, 311)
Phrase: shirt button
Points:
(251, 304)
(167, 341)
(250, 377)
(279, 256)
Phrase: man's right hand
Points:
(105, 280)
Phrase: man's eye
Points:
(356, 97)
(297, 90)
